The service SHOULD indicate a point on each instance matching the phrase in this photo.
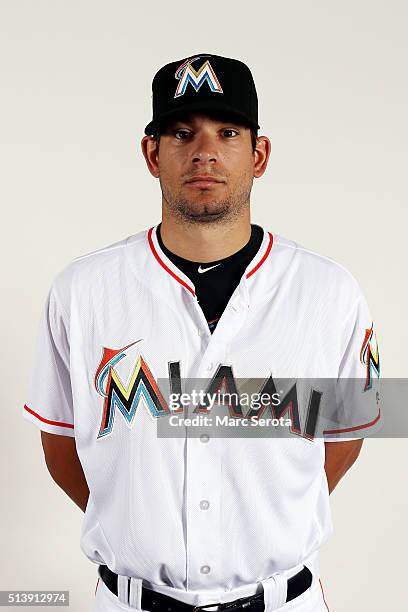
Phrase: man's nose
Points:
(204, 149)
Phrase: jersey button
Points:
(204, 504)
(204, 437)
(205, 569)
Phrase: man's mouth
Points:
(204, 181)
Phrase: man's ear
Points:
(151, 154)
(262, 152)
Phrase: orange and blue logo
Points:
(187, 74)
(126, 398)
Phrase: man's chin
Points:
(204, 215)
(197, 210)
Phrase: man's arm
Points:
(64, 466)
(340, 456)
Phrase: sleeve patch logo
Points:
(369, 356)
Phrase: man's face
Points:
(202, 146)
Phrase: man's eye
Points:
(181, 134)
(227, 132)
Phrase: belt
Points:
(157, 602)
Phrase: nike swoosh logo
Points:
(201, 270)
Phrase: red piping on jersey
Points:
(373, 422)
(325, 603)
(155, 253)
(259, 264)
(69, 425)
(180, 280)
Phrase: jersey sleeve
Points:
(357, 412)
(49, 403)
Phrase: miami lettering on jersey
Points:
(187, 74)
(369, 356)
(142, 382)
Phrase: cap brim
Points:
(209, 105)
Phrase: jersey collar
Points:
(168, 267)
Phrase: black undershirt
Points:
(215, 287)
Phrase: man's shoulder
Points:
(109, 252)
(320, 271)
(85, 269)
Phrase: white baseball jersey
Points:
(197, 515)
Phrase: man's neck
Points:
(205, 242)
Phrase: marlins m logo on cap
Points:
(186, 74)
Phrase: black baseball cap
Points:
(204, 82)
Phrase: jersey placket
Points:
(203, 508)
(204, 452)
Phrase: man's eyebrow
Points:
(177, 124)
(189, 124)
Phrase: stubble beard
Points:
(208, 212)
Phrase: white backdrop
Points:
(75, 97)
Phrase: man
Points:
(181, 521)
